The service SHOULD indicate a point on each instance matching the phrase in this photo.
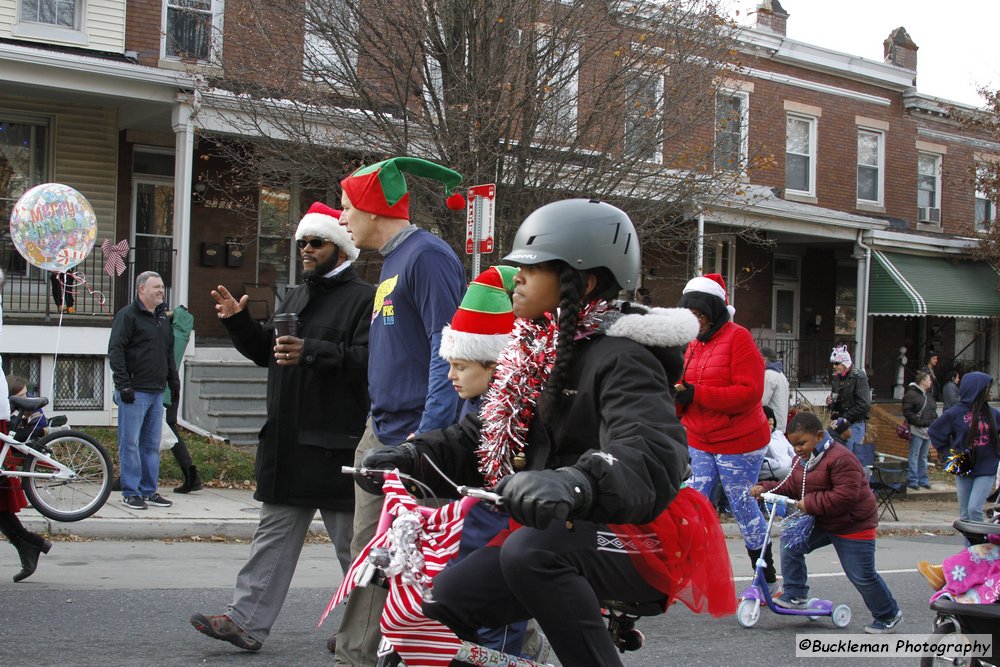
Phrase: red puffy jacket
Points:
(727, 373)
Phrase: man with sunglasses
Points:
(317, 403)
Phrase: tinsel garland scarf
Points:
(522, 370)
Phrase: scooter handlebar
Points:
(776, 499)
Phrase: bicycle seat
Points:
(637, 608)
(24, 403)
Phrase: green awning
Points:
(913, 285)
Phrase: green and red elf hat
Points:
(381, 188)
(482, 324)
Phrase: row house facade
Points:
(864, 221)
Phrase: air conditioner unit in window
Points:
(929, 214)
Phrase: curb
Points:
(153, 529)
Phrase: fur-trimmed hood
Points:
(665, 331)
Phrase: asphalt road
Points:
(127, 603)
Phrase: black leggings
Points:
(557, 576)
(180, 450)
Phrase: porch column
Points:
(183, 174)
(861, 255)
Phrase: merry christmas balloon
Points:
(53, 227)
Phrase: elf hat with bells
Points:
(381, 188)
(482, 324)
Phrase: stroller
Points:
(960, 618)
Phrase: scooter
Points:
(748, 611)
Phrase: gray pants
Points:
(358, 636)
(263, 581)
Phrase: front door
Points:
(785, 322)
(152, 229)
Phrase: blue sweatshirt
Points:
(949, 430)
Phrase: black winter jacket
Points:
(854, 396)
(919, 409)
(316, 410)
(616, 422)
(141, 349)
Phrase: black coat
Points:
(316, 411)
(141, 349)
(854, 396)
(616, 423)
(919, 410)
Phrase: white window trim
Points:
(657, 157)
(53, 33)
(214, 40)
(744, 96)
(572, 84)
(988, 223)
(937, 182)
(880, 201)
(813, 152)
(352, 54)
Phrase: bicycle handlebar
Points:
(468, 491)
(776, 499)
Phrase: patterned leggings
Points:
(738, 472)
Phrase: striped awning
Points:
(908, 285)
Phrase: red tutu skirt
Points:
(11, 496)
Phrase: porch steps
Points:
(226, 397)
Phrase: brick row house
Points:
(864, 216)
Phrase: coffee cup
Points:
(286, 324)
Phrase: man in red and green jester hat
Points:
(420, 287)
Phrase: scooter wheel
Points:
(841, 615)
(748, 612)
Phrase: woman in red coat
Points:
(718, 401)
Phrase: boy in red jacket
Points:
(831, 485)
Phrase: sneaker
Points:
(156, 500)
(925, 486)
(877, 627)
(912, 487)
(134, 503)
(222, 627)
(775, 589)
(792, 602)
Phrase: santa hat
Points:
(713, 284)
(840, 355)
(482, 324)
(323, 222)
(381, 188)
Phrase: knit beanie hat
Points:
(482, 324)
(381, 188)
(323, 222)
(840, 355)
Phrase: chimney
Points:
(900, 49)
(772, 17)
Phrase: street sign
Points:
(480, 221)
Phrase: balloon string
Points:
(80, 278)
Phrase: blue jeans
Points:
(737, 472)
(857, 557)
(139, 425)
(972, 492)
(917, 473)
(865, 453)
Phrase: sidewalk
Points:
(233, 513)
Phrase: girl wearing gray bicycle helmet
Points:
(579, 434)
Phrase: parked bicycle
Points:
(65, 474)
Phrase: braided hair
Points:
(572, 298)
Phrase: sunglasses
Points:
(315, 243)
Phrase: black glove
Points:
(535, 497)
(126, 395)
(685, 393)
(175, 389)
(385, 457)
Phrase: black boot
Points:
(770, 575)
(29, 548)
(192, 482)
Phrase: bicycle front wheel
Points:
(69, 499)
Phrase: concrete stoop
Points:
(227, 397)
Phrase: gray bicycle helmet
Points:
(584, 233)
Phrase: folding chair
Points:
(888, 479)
(260, 303)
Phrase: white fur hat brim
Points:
(327, 227)
(472, 347)
(660, 327)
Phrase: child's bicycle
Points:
(371, 566)
(748, 611)
(65, 474)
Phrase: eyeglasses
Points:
(315, 243)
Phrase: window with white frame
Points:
(24, 163)
(330, 52)
(928, 187)
(274, 252)
(59, 13)
(871, 158)
(800, 154)
(558, 85)
(717, 257)
(986, 211)
(731, 116)
(644, 117)
(79, 383)
(193, 29)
